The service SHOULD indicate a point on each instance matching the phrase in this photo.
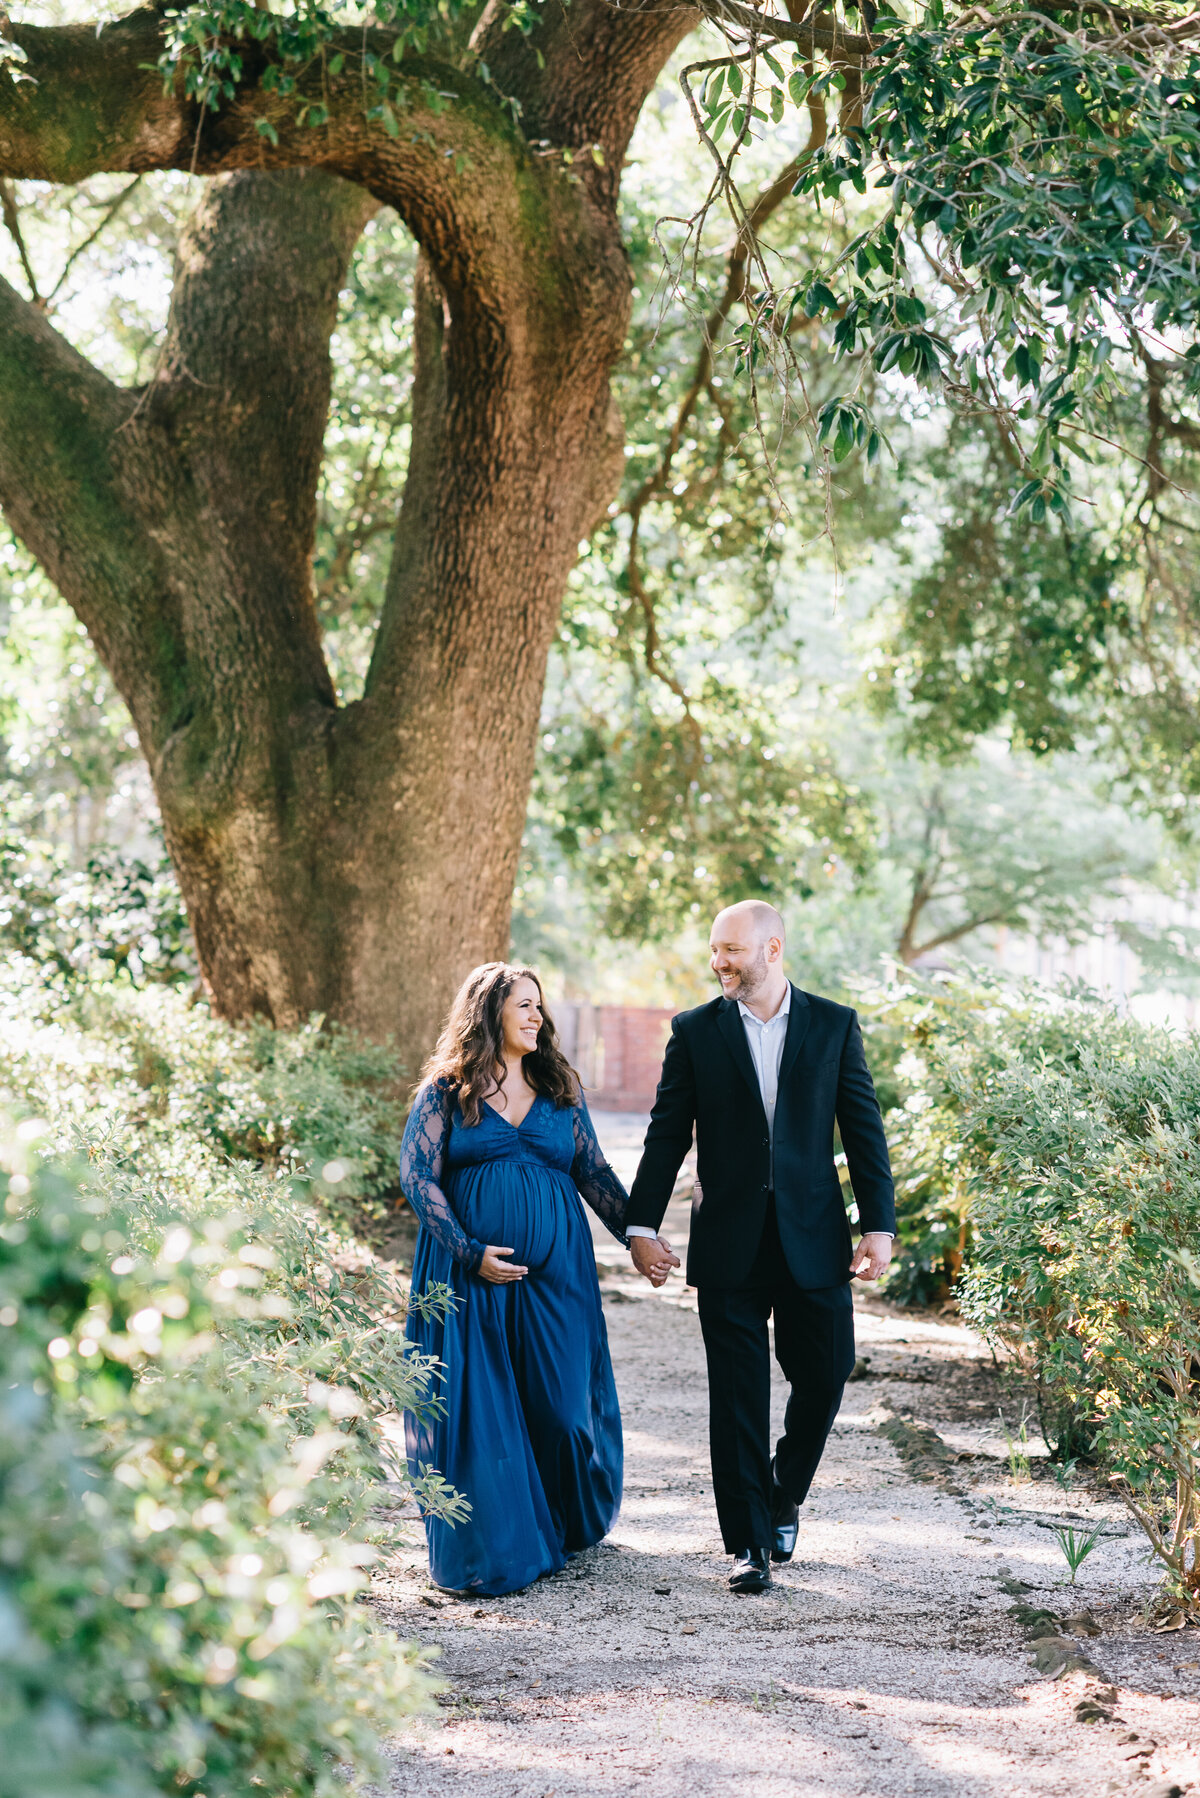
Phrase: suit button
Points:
(766, 1143)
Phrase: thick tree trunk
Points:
(513, 463)
(358, 860)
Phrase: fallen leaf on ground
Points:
(1088, 1711)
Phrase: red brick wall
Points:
(617, 1050)
(630, 1040)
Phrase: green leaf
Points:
(1071, 103)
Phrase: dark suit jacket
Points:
(708, 1081)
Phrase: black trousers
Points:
(814, 1345)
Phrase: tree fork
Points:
(353, 860)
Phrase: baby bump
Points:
(514, 1206)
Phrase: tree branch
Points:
(108, 213)
(1001, 916)
(62, 490)
(737, 262)
(12, 222)
(582, 75)
(179, 522)
(457, 171)
(258, 274)
(822, 33)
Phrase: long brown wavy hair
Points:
(469, 1052)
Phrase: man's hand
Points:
(872, 1256)
(653, 1257)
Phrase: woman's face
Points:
(521, 1018)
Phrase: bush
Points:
(913, 1033)
(190, 1455)
(1089, 1188)
(111, 918)
(196, 1367)
(1071, 1136)
(316, 1104)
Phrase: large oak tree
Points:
(355, 859)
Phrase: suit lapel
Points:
(797, 1030)
(734, 1032)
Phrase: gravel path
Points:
(892, 1656)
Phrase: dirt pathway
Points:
(892, 1656)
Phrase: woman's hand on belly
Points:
(497, 1270)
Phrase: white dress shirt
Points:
(765, 1040)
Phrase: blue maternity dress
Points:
(531, 1431)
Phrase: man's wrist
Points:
(641, 1230)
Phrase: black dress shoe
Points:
(751, 1571)
(785, 1521)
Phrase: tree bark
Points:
(351, 860)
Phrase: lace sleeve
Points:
(421, 1154)
(597, 1183)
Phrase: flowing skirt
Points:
(530, 1431)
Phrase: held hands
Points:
(499, 1272)
(871, 1256)
(653, 1258)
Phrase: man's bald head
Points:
(747, 953)
(753, 917)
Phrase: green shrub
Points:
(316, 1104)
(1067, 1139)
(190, 1457)
(199, 1380)
(111, 918)
(1088, 1182)
(914, 1033)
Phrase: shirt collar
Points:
(785, 1005)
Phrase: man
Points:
(762, 1074)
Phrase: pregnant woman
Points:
(497, 1149)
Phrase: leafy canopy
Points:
(1041, 166)
(1021, 182)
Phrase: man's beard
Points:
(750, 979)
